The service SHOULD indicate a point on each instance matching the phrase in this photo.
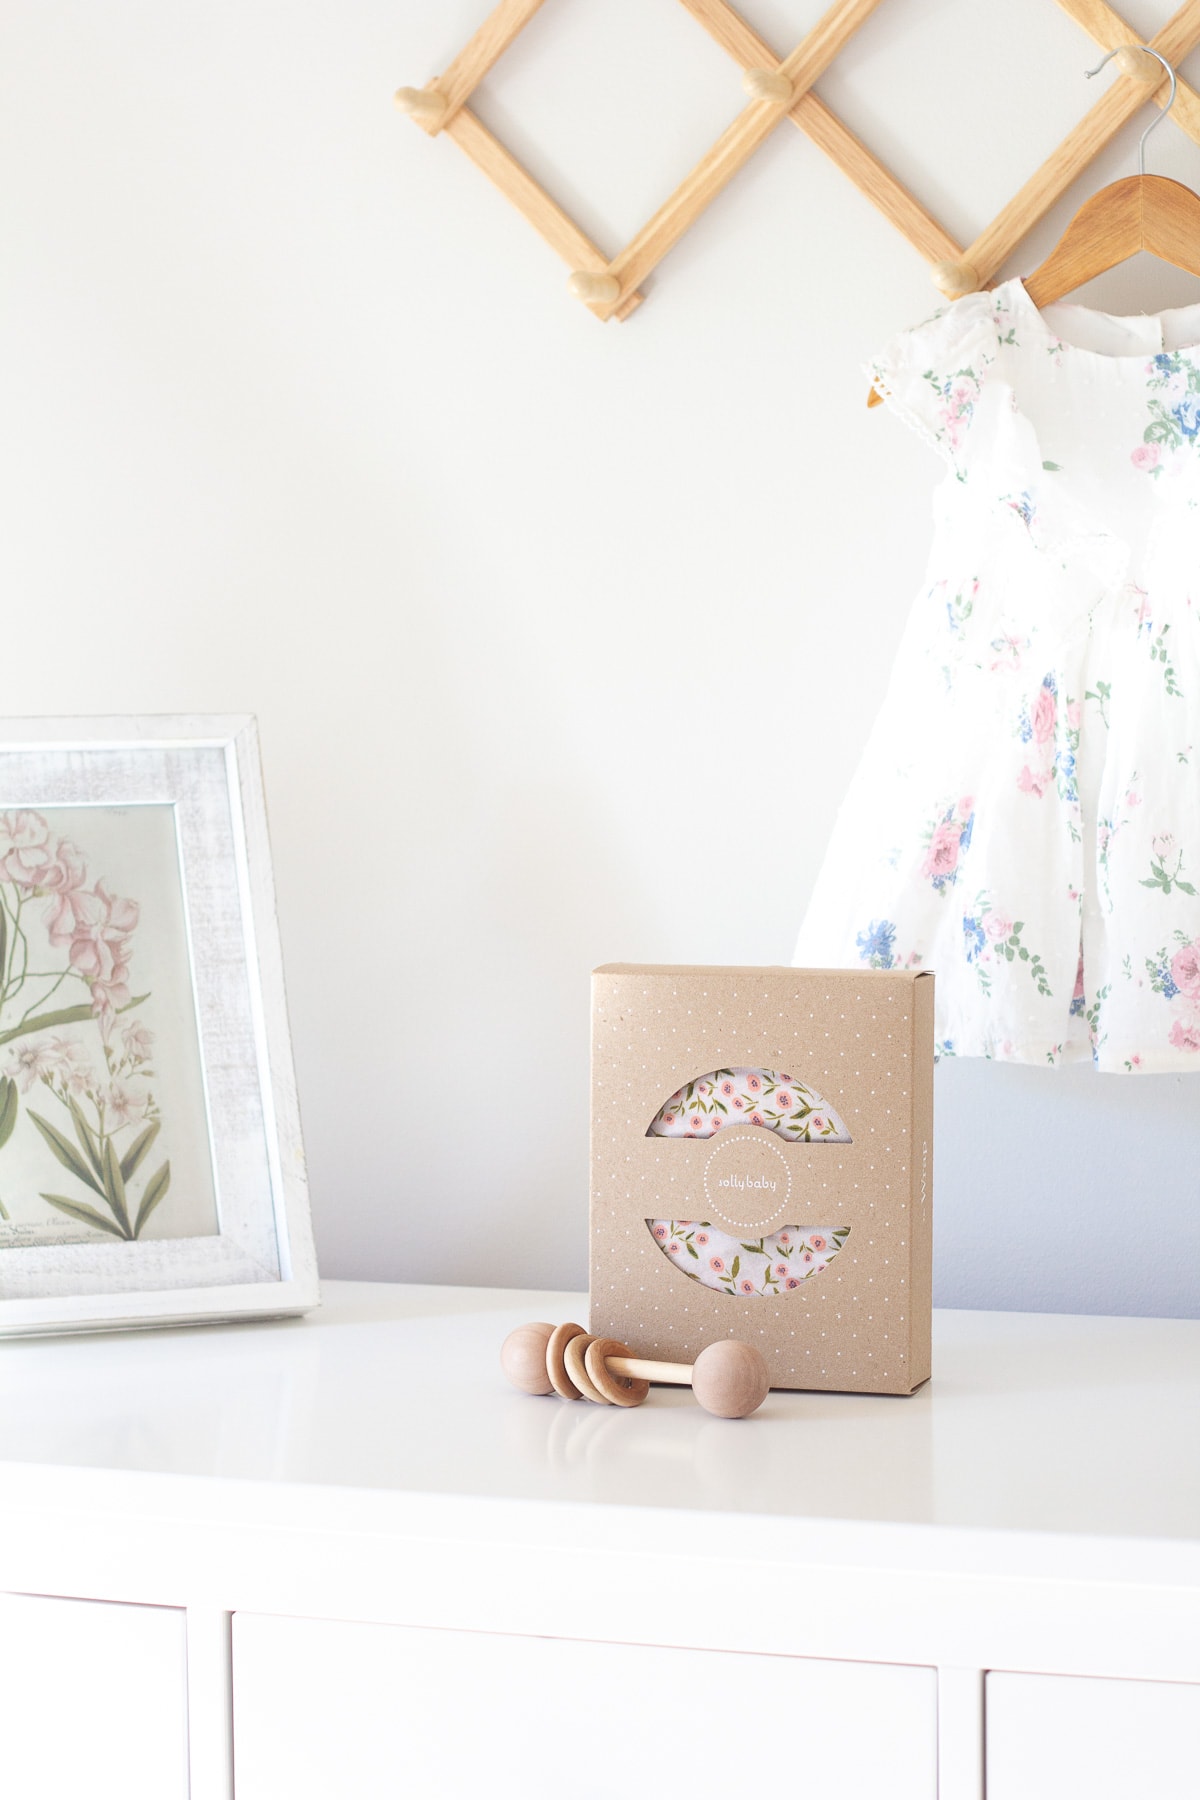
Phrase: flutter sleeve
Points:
(933, 375)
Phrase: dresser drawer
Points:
(323, 1707)
(93, 1700)
(1054, 1735)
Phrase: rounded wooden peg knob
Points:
(954, 278)
(556, 1363)
(1131, 60)
(620, 1390)
(523, 1358)
(593, 289)
(425, 105)
(730, 1379)
(768, 84)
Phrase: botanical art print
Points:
(103, 1133)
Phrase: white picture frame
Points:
(232, 1236)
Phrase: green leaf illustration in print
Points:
(69, 1013)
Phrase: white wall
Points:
(563, 637)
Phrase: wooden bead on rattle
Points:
(424, 105)
(768, 84)
(729, 1378)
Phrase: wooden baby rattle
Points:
(728, 1378)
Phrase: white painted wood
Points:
(209, 1703)
(324, 1708)
(960, 1734)
(370, 1465)
(92, 1701)
(1054, 1735)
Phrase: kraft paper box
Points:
(762, 1168)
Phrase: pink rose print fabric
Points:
(728, 1097)
(768, 1266)
(1026, 817)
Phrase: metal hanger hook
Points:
(1154, 123)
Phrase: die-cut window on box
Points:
(757, 1097)
(750, 1268)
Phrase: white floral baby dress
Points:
(1026, 816)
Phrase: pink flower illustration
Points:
(727, 1088)
(1185, 970)
(781, 1268)
(1145, 456)
(1029, 783)
(1074, 714)
(785, 1081)
(99, 946)
(702, 1238)
(71, 1065)
(24, 846)
(817, 1243)
(715, 1124)
(1185, 1034)
(128, 1101)
(747, 1287)
(818, 1122)
(660, 1232)
(716, 1264)
(1135, 1062)
(784, 1102)
(1133, 798)
(997, 926)
(702, 1087)
(807, 1256)
(739, 1105)
(942, 856)
(785, 1237)
(1044, 708)
(756, 1118)
(672, 1249)
(753, 1084)
(792, 1282)
(966, 805)
(29, 1063)
(696, 1122)
(1163, 844)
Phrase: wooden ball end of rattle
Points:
(593, 289)
(523, 1358)
(730, 1379)
(768, 84)
(425, 105)
(954, 278)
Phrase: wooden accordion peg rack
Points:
(778, 88)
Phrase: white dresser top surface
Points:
(1037, 1423)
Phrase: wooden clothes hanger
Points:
(1139, 212)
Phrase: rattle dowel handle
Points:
(680, 1374)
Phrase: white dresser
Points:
(338, 1557)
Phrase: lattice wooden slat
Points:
(779, 88)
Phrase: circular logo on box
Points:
(747, 1179)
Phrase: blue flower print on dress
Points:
(877, 943)
(974, 938)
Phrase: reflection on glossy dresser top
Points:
(1033, 1422)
